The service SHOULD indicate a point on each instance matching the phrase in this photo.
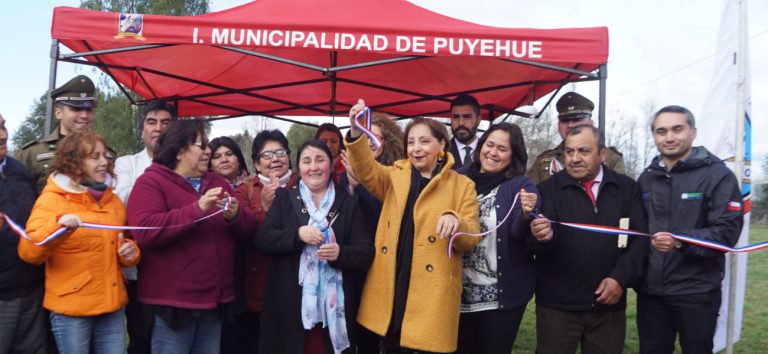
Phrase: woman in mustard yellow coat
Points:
(413, 290)
(84, 286)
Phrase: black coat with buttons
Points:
(281, 325)
(574, 262)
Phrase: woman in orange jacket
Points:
(84, 287)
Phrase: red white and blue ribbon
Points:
(482, 234)
(19, 230)
(366, 129)
(610, 230)
(687, 239)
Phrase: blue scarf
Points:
(322, 293)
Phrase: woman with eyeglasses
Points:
(227, 161)
(316, 236)
(272, 166)
(187, 271)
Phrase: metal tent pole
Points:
(603, 72)
(51, 85)
(733, 264)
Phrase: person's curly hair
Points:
(73, 149)
(393, 138)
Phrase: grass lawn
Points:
(753, 336)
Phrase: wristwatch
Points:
(678, 244)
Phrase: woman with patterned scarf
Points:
(318, 242)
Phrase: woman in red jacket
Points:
(187, 272)
(84, 287)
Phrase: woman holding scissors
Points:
(318, 242)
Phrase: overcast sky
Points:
(660, 50)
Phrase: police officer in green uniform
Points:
(573, 110)
(73, 106)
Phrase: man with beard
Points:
(573, 110)
(465, 118)
(22, 317)
(155, 118)
(583, 276)
(73, 106)
(687, 191)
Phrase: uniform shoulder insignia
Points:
(33, 142)
(616, 150)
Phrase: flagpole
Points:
(739, 168)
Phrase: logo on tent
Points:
(130, 26)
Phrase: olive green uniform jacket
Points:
(545, 164)
(38, 156)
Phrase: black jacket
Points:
(572, 265)
(458, 157)
(692, 200)
(17, 196)
(281, 327)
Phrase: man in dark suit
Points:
(465, 118)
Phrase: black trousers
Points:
(562, 332)
(139, 321)
(241, 336)
(661, 318)
(489, 332)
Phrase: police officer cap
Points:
(77, 92)
(574, 106)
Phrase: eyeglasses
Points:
(268, 155)
(201, 144)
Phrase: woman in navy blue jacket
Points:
(499, 275)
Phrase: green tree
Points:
(116, 122)
(297, 135)
(157, 7)
(245, 140)
(33, 126)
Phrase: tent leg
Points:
(603, 72)
(332, 76)
(51, 85)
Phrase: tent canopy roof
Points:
(316, 57)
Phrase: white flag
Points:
(718, 129)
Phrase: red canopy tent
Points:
(316, 57)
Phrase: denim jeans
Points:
(76, 335)
(201, 335)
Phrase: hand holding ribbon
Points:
(70, 221)
(542, 230)
(229, 205)
(126, 249)
(74, 220)
(357, 125)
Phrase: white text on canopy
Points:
(487, 47)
